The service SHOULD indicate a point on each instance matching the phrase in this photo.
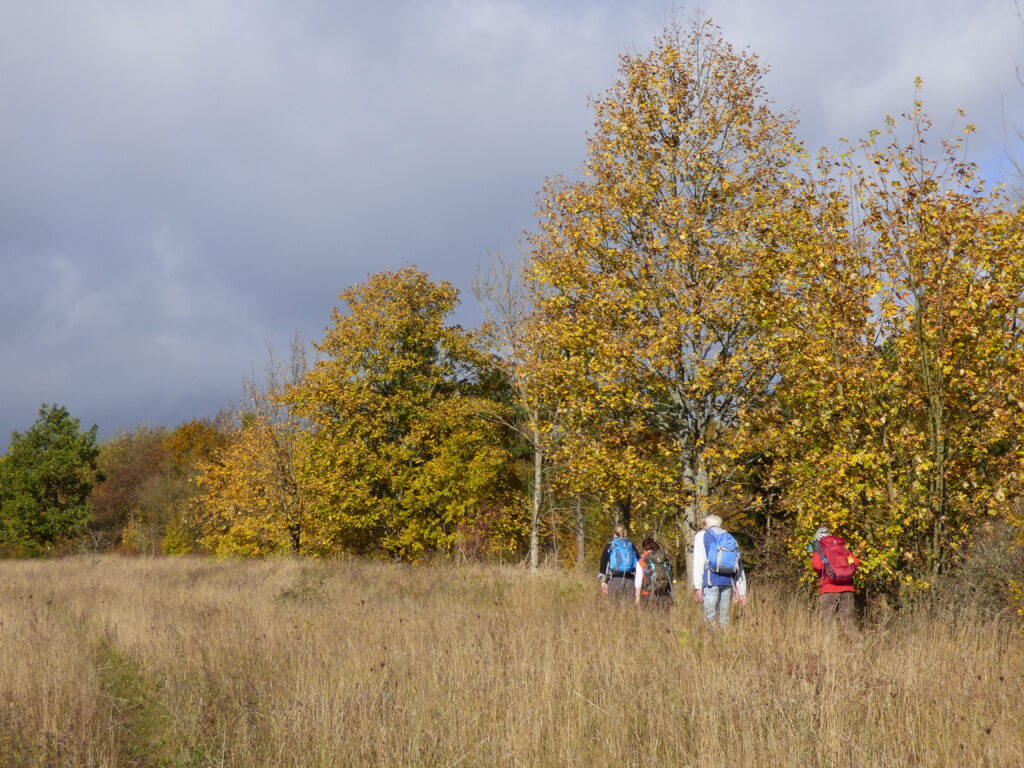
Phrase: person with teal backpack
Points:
(618, 565)
(717, 571)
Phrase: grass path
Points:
(143, 725)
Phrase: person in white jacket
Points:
(715, 591)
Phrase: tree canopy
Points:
(650, 271)
(45, 480)
(404, 449)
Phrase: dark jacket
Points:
(604, 570)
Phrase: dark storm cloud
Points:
(184, 182)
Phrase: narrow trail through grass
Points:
(131, 706)
(143, 725)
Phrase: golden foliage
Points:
(899, 347)
(405, 447)
(649, 274)
(251, 502)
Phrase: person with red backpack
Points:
(835, 566)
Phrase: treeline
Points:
(61, 490)
(711, 319)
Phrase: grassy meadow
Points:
(112, 661)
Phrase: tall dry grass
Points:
(180, 662)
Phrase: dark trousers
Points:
(839, 606)
(656, 602)
(621, 587)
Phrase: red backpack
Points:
(837, 558)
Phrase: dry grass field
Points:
(108, 661)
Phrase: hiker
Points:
(717, 571)
(618, 565)
(653, 581)
(835, 566)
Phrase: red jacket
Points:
(825, 584)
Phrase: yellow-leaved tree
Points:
(250, 501)
(407, 454)
(898, 413)
(649, 274)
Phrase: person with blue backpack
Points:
(717, 571)
(618, 565)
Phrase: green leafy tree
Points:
(45, 480)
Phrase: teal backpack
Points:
(622, 558)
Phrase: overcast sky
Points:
(183, 182)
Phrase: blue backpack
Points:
(622, 558)
(723, 552)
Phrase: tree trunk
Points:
(623, 509)
(581, 541)
(538, 466)
(696, 476)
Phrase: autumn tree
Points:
(250, 500)
(648, 271)
(149, 478)
(505, 299)
(197, 440)
(407, 447)
(185, 448)
(45, 479)
(133, 497)
(900, 355)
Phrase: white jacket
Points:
(700, 561)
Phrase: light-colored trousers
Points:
(717, 600)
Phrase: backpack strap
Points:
(611, 554)
(826, 565)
